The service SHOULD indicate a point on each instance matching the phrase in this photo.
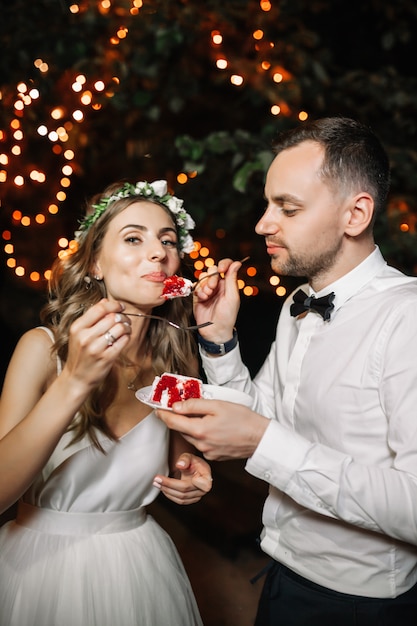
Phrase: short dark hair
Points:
(353, 155)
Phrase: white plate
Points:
(210, 392)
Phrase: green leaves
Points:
(168, 108)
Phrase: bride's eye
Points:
(169, 243)
(132, 239)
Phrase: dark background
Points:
(167, 109)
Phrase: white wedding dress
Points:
(83, 552)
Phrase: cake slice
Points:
(170, 388)
(176, 287)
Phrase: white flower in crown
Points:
(187, 244)
(158, 190)
(189, 223)
(175, 204)
(140, 187)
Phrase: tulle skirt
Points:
(92, 569)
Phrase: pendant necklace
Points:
(132, 384)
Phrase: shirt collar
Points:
(351, 283)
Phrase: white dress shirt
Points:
(340, 452)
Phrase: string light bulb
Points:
(81, 101)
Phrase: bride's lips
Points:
(155, 277)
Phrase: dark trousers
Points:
(290, 600)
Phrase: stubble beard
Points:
(310, 266)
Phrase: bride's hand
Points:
(193, 483)
(95, 342)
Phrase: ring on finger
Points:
(109, 338)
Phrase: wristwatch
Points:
(218, 348)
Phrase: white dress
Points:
(83, 552)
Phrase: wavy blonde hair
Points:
(72, 290)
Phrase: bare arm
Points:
(31, 422)
(36, 407)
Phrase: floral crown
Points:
(158, 190)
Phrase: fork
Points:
(163, 319)
(200, 280)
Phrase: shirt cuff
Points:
(278, 456)
(221, 369)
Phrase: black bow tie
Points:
(303, 302)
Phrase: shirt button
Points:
(267, 475)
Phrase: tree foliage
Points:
(167, 108)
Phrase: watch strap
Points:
(218, 348)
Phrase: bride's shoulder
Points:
(34, 349)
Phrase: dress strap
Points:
(51, 335)
(67, 523)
